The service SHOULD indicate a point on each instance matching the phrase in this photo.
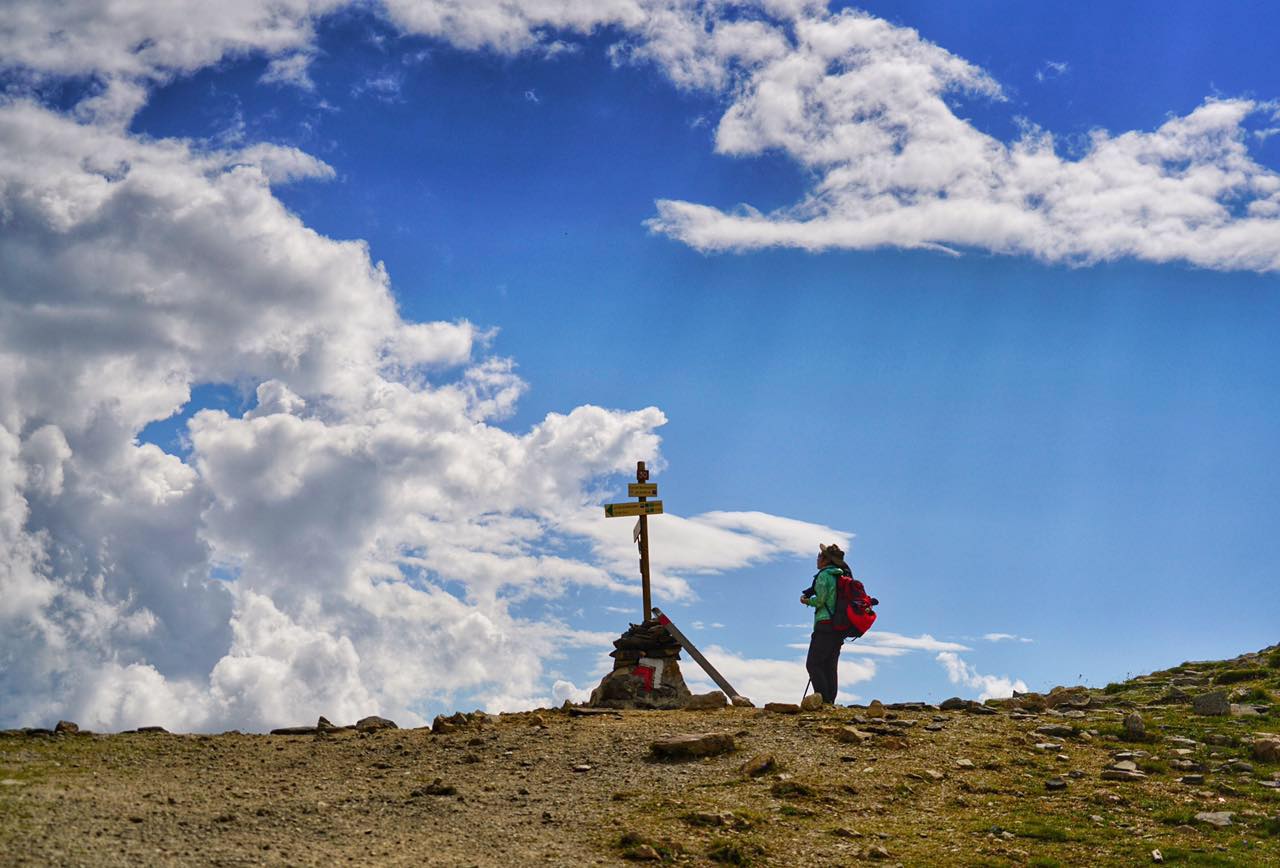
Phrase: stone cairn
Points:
(646, 671)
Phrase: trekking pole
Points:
(806, 688)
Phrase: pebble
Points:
(1055, 784)
(812, 702)
(759, 765)
(1191, 779)
(964, 764)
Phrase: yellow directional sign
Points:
(642, 489)
(615, 510)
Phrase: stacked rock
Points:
(646, 671)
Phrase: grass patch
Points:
(1175, 817)
(793, 811)
(1044, 862)
(1232, 676)
(1256, 694)
(791, 790)
(1271, 827)
(635, 846)
(728, 852)
(1153, 766)
(1114, 687)
(1274, 659)
(1042, 831)
(1183, 856)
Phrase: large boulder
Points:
(1212, 704)
(1266, 747)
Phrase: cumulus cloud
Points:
(989, 686)
(865, 106)
(352, 543)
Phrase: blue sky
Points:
(1053, 435)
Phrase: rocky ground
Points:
(1133, 774)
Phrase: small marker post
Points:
(642, 476)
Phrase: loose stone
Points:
(690, 746)
(1220, 819)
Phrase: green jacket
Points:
(824, 594)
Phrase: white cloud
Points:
(292, 69)
(374, 523)
(863, 105)
(924, 642)
(1004, 637)
(1052, 69)
(860, 103)
(989, 686)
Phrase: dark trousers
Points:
(824, 657)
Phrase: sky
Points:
(326, 328)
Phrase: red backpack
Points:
(853, 613)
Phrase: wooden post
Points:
(697, 656)
(642, 475)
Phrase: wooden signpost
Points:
(643, 489)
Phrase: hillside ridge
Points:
(1178, 766)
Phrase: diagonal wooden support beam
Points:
(696, 654)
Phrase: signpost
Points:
(642, 490)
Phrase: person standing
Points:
(825, 642)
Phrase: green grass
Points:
(1232, 676)
(1274, 660)
(791, 790)
(1183, 856)
(728, 852)
(1256, 694)
(1041, 830)
(1175, 817)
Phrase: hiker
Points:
(824, 644)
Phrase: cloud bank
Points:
(866, 107)
(354, 542)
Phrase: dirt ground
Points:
(548, 788)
